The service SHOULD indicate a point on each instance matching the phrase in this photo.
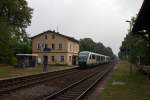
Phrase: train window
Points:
(101, 58)
(90, 56)
(93, 56)
(98, 58)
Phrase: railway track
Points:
(20, 82)
(58, 81)
(78, 89)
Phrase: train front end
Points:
(83, 57)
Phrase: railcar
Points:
(90, 59)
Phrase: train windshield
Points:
(83, 56)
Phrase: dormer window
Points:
(53, 36)
(45, 36)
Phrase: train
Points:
(90, 59)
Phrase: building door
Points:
(45, 60)
(74, 60)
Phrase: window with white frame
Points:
(70, 58)
(38, 46)
(70, 48)
(61, 58)
(53, 46)
(60, 46)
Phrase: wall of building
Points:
(68, 51)
(49, 41)
(73, 47)
(57, 58)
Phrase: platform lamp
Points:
(130, 23)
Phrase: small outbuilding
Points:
(26, 60)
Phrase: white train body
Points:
(90, 59)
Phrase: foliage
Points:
(15, 16)
(87, 44)
(135, 48)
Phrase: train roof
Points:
(93, 53)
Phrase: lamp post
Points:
(130, 23)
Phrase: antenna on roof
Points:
(57, 28)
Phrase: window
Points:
(98, 58)
(90, 56)
(70, 47)
(39, 46)
(61, 58)
(53, 58)
(43, 45)
(45, 36)
(102, 58)
(93, 56)
(60, 46)
(53, 36)
(46, 46)
(53, 46)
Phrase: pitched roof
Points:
(143, 18)
(57, 33)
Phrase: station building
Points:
(58, 48)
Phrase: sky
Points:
(101, 20)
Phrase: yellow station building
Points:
(58, 48)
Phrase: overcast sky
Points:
(101, 20)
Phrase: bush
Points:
(13, 61)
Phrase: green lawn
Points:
(136, 86)
(10, 71)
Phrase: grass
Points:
(10, 71)
(136, 87)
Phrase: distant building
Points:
(59, 49)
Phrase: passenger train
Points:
(91, 59)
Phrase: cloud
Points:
(101, 20)
(129, 6)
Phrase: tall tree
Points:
(87, 44)
(135, 48)
(15, 16)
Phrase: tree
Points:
(87, 44)
(135, 48)
(15, 16)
